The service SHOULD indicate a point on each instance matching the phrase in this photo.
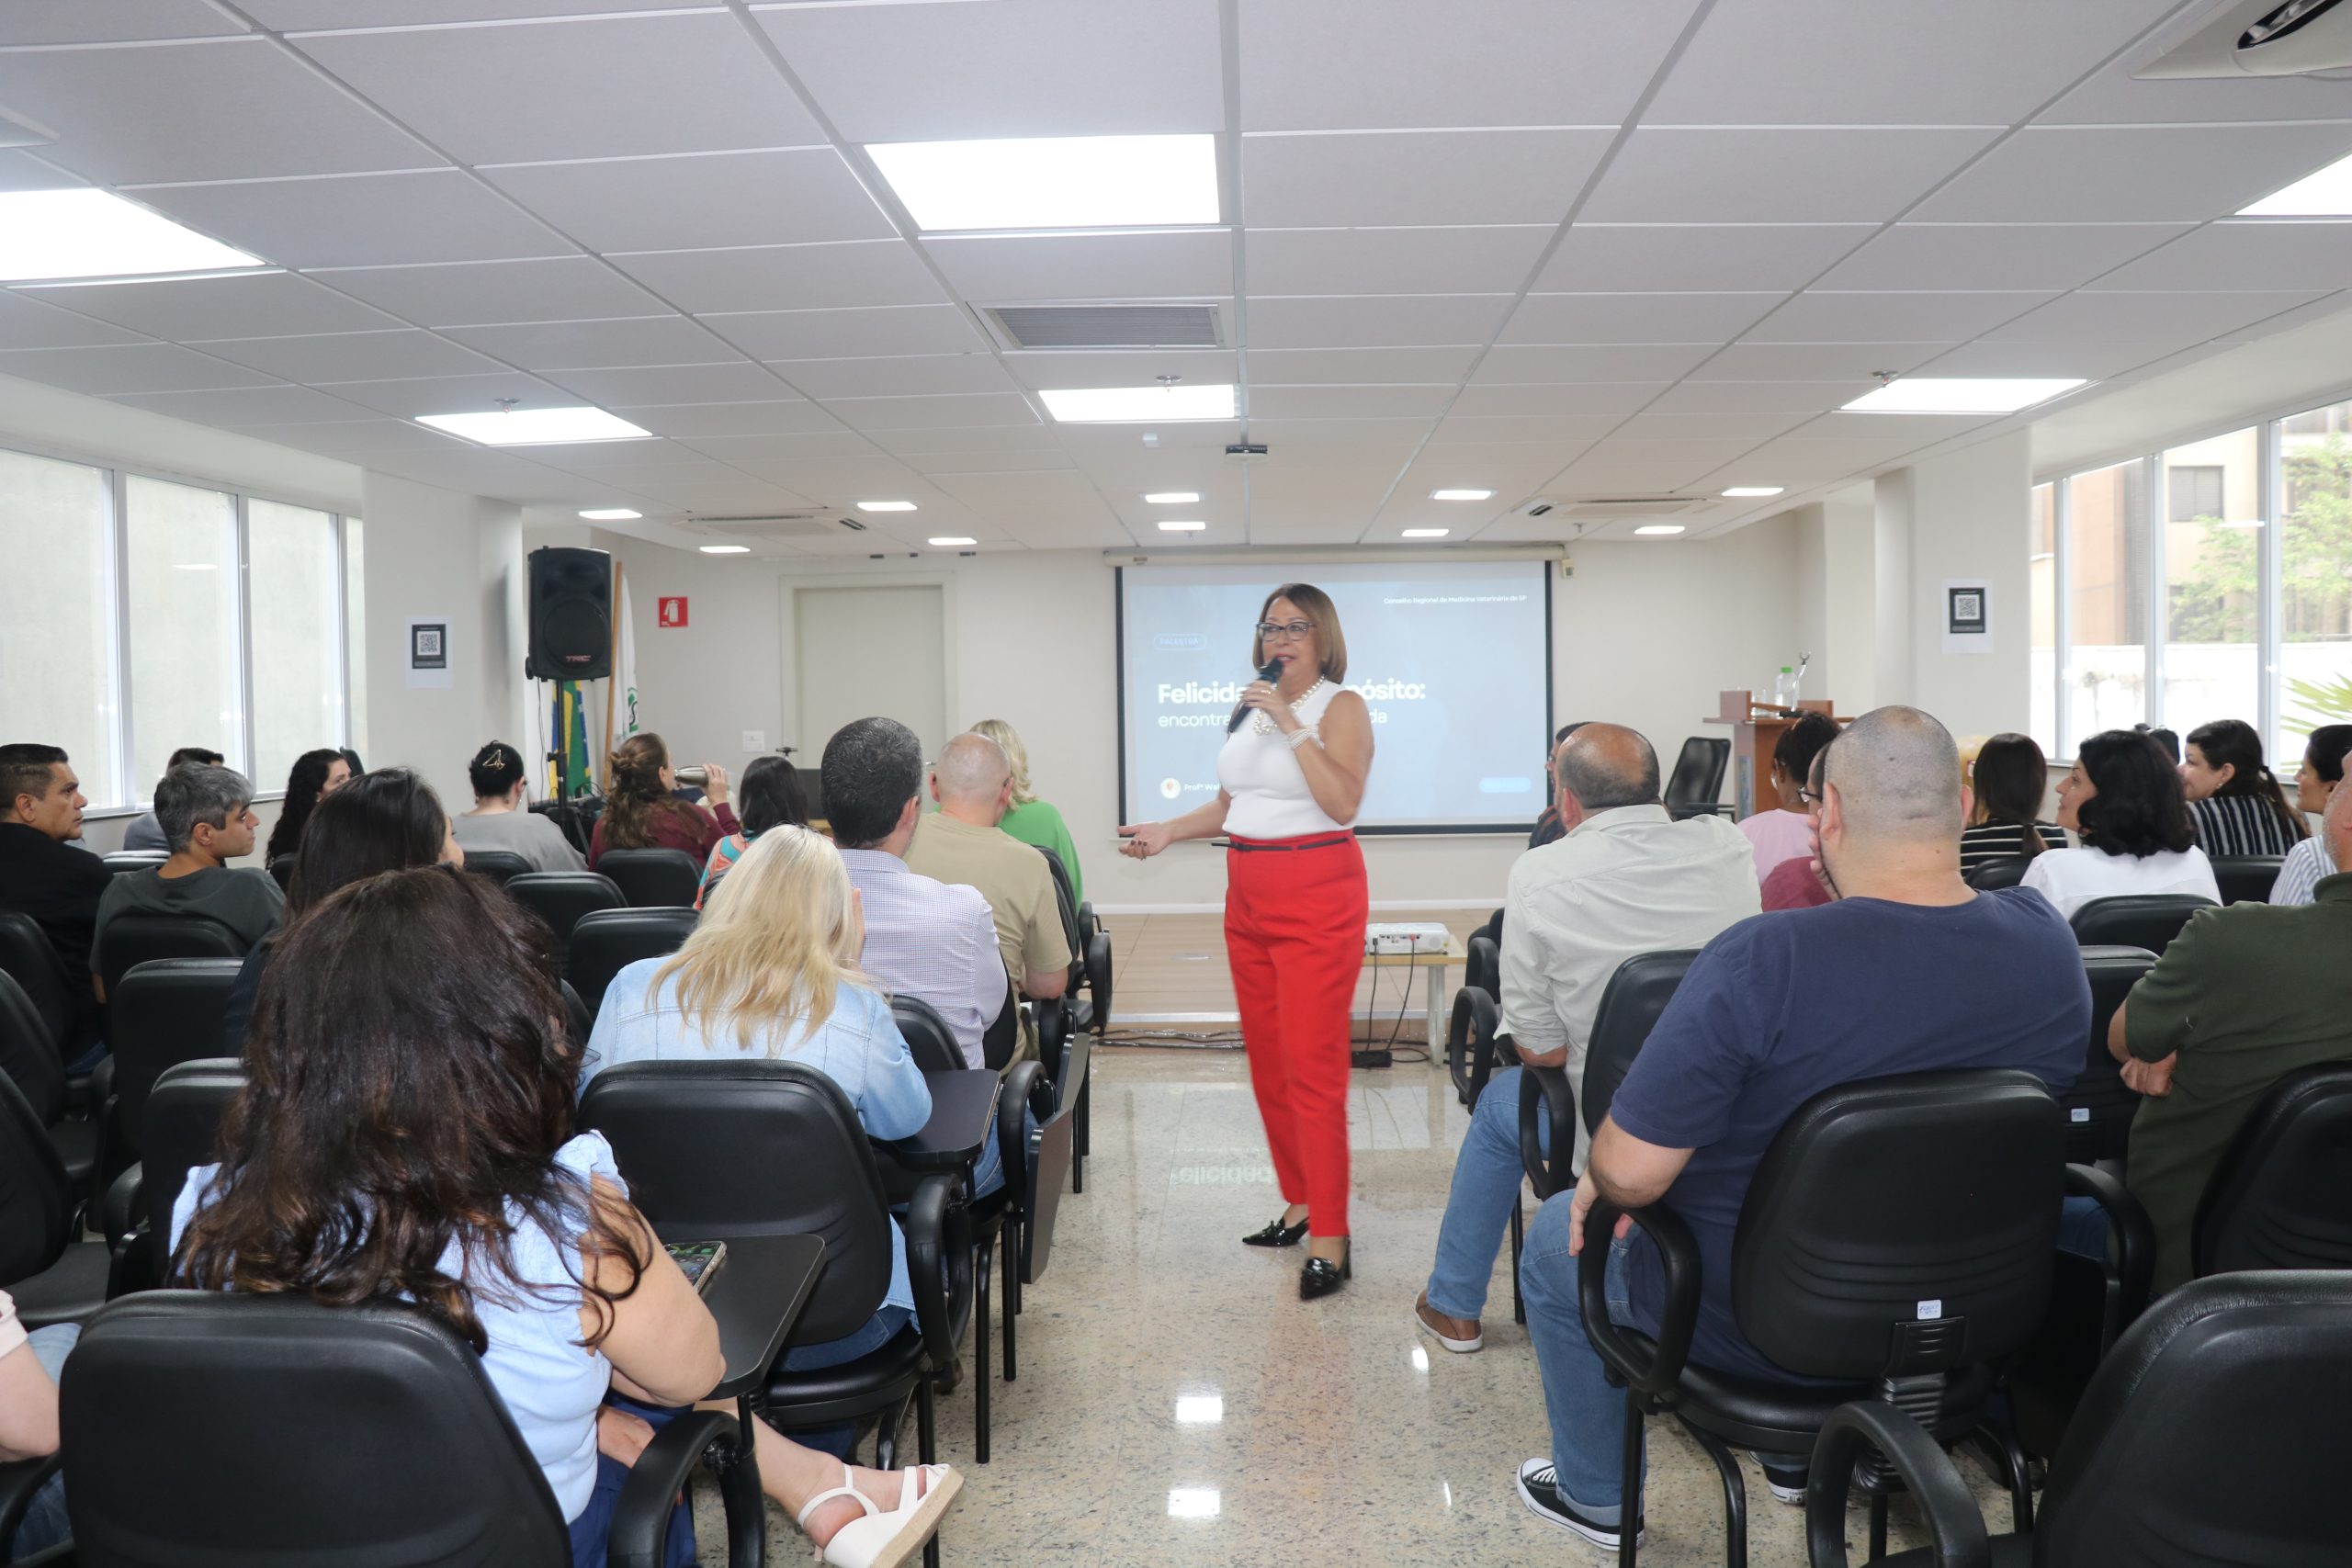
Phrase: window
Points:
(56, 678)
(182, 566)
(2192, 490)
(2042, 577)
(296, 589)
(2106, 672)
(2213, 547)
(2314, 577)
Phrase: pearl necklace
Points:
(1262, 724)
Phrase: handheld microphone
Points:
(1271, 671)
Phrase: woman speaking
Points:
(1290, 780)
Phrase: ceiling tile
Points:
(2146, 324)
(551, 288)
(1777, 175)
(1851, 362)
(453, 394)
(1393, 261)
(1578, 398)
(232, 407)
(705, 423)
(789, 197)
(1120, 367)
(1635, 318)
(1339, 64)
(896, 377)
(557, 89)
(1037, 445)
(1415, 178)
(1651, 426)
(1564, 433)
(1904, 431)
(917, 73)
(1996, 256)
(1833, 317)
(1402, 434)
(1658, 362)
(132, 367)
(1375, 320)
(1170, 263)
(26, 322)
(1634, 257)
(270, 304)
(1756, 397)
(23, 171)
(2275, 253)
(784, 447)
(363, 221)
(785, 277)
(2092, 361)
(355, 356)
(1317, 366)
(908, 413)
(108, 21)
(840, 334)
(2136, 174)
(360, 441)
(233, 108)
(568, 345)
(292, 16)
(739, 381)
(927, 462)
(1348, 402)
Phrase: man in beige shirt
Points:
(961, 843)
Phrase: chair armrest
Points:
(19, 1479)
(2134, 1237)
(1053, 1039)
(1656, 1374)
(125, 1205)
(1546, 1096)
(939, 1260)
(641, 1515)
(1015, 1104)
(1955, 1529)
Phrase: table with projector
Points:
(1411, 945)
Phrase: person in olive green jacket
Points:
(1031, 820)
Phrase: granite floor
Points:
(1177, 1404)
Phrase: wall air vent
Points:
(2261, 38)
(1105, 326)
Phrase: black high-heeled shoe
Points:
(1276, 1234)
(1321, 1275)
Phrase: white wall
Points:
(1962, 516)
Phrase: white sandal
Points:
(877, 1539)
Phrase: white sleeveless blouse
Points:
(1271, 799)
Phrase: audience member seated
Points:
(42, 874)
(1626, 879)
(922, 938)
(384, 821)
(145, 833)
(1910, 971)
(314, 776)
(641, 813)
(502, 819)
(402, 1136)
(28, 1369)
(1549, 829)
(1783, 829)
(1795, 883)
(2123, 800)
(208, 821)
(1028, 819)
(961, 843)
(2164, 738)
(772, 799)
(2005, 819)
(2235, 801)
(2315, 783)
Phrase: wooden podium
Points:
(1756, 729)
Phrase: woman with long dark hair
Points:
(405, 1134)
(2323, 770)
(2123, 800)
(773, 797)
(2234, 800)
(2005, 823)
(314, 776)
(642, 811)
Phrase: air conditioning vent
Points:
(1106, 326)
(779, 526)
(1594, 509)
(2261, 38)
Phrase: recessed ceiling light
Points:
(1061, 182)
(52, 235)
(1962, 394)
(1462, 495)
(1173, 526)
(725, 549)
(1660, 529)
(610, 514)
(2327, 194)
(1172, 497)
(1427, 533)
(1747, 492)
(535, 427)
(953, 541)
(1138, 405)
(885, 506)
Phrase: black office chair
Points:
(122, 862)
(379, 1433)
(54, 1277)
(1482, 964)
(1001, 1037)
(2282, 1196)
(2092, 1302)
(29, 1053)
(1067, 1054)
(2100, 1106)
(180, 1132)
(1859, 1257)
(577, 1019)
(999, 1217)
(2246, 879)
(2006, 872)
(133, 940)
(27, 957)
(1630, 1003)
(929, 1039)
(2209, 1438)
(605, 942)
(560, 897)
(281, 871)
(501, 866)
(166, 1011)
(1474, 1042)
(1695, 787)
(2147, 921)
(652, 878)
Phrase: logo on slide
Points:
(1169, 789)
(1180, 642)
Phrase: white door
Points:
(865, 651)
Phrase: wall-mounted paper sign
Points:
(428, 652)
(1968, 617)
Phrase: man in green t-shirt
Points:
(2243, 997)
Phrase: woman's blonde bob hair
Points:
(775, 945)
(1316, 604)
(1016, 756)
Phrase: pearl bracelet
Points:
(1301, 735)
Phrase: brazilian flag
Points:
(572, 732)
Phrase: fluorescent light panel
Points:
(953, 541)
(535, 427)
(610, 514)
(1184, 526)
(1658, 530)
(1427, 533)
(1138, 405)
(1062, 181)
(46, 235)
(885, 506)
(1953, 394)
(2327, 194)
(1172, 497)
(1462, 495)
(1751, 492)
(725, 549)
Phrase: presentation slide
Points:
(1454, 658)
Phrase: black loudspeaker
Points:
(571, 615)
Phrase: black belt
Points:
(1333, 842)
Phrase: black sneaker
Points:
(1538, 1489)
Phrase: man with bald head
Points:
(1622, 878)
(1909, 970)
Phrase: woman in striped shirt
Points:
(2005, 823)
(2233, 798)
(2323, 770)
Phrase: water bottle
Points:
(1784, 689)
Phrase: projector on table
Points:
(1405, 937)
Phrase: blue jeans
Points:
(45, 1524)
(1587, 1416)
(2082, 1228)
(988, 1171)
(879, 1330)
(1485, 1185)
(592, 1531)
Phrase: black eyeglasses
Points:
(1808, 797)
(1272, 631)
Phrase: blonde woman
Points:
(1031, 820)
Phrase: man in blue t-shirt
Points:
(1910, 971)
